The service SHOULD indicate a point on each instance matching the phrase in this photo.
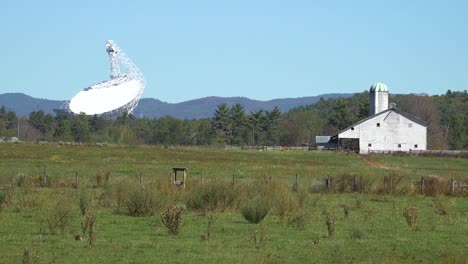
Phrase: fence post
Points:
(328, 183)
(422, 185)
(141, 177)
(452, 185)
(76, 180)
(354, 184)
(201, 177)
(44, 180)
(233, 179)
(296, 185)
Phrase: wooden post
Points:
(76, 180)
(141, 177)
(233, 182)
(44, 180)
(328, 183)
(296, 185)
(201, 177)
(452, 185)
(422, 185)
(354, 184)
(411, 185)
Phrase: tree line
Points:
(446, 116)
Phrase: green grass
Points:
(125, 239)
(384, 236)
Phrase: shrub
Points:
(256, 210)
(58, 217)
(142, 201)
(285, 203)
(390, 183)
(171, 218)
(84, 200)
(213, 196)
(87, 226)
(411, 216)
(26, 198)
(102, 178)
(298, 220)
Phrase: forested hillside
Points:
(446, 116)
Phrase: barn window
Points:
(378, 124)
(369, 145)
(415, 145)
(352, 128)
(410, 125)
(399, 145)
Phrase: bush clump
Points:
(58, 217)
(213, 196)
(84, 200)
(142, 201)
(171, 218)
(256, 210)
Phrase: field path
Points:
(381, 165)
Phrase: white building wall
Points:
(394, 133)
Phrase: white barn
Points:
(386, 129)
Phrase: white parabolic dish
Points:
(106, 96)
(119, 94)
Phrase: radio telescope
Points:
(112, 97)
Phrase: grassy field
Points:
(373, 231)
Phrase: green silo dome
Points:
(379, 87)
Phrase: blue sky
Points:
(257, 49)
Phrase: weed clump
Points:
(84, 200)
(411, 216)
(29, 257)
(298, 220)
(3, 197)
(171, 218)
(87, 225)
(330, 221)
(357, 234)
(209, 229)
(441, 208)
(259, 236)
(102, 178)
(255, 210)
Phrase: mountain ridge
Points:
(204, 107)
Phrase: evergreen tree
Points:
(221, 121)
(341, 116)
(254, 122)
(237, 120)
